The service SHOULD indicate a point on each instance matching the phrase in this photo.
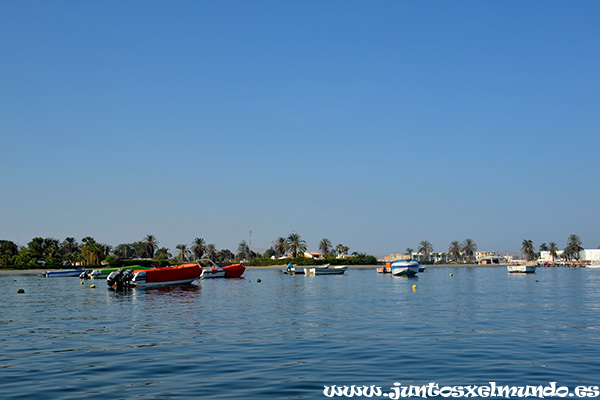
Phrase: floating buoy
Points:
(450, 274)
(414, 287)
(82, 282)
(258, 281)
(93, 286)
(20, 291)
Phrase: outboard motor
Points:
(84, 275)
(120, 278)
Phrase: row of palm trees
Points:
(293, 244)
(458, 251)
(571, 251)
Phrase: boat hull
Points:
(337, 270)
(228, 271)
(63, 273)
(178, 274)
(405, 268)
(521, 269)
(291, 270)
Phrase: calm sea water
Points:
(289, 336)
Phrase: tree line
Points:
(52, 252)
(571, 251)
(458, 252)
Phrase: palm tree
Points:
(543, 247)
(150, 245)
(528, 249)
(340, 249)
(279, 246)
(211, 252)
(295, 244)
(162, 253)
(553, 249)
(91, 250)
(199, 248)
(454, 250)
(425, 248)
(183, 252)
(573, 247)
(325, 246)
(469, 247)
(409, 251)
(69, 245)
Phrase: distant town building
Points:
(394, 257)
(489, 257)
(313, 254)
(586, 255)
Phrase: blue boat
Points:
(63, 272)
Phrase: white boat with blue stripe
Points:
(405, 268)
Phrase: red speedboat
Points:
(228, 271)
(178, 274)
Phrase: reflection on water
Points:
(287, 336)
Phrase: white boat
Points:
(63, 272)
(325, 270)
(527, 268)
(594, 265)
(405, 268)
(291, 270)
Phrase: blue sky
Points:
(374, 124)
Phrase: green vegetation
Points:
(51, 253)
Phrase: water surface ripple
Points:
(286, 337)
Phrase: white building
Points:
(589, 255)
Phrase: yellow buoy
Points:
(93, 286)
(414, 287)
(450, 274)
(82, 282)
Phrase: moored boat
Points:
(405, 268)
(63, 272)
(103, 273)
(228, 271)
(527, 268)
(291, 270)
(175, 275)
(385, 269)
(325, 270)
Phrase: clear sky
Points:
(376, 124)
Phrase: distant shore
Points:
(275, 267)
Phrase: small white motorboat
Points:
(527, 268)
(405, 268)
